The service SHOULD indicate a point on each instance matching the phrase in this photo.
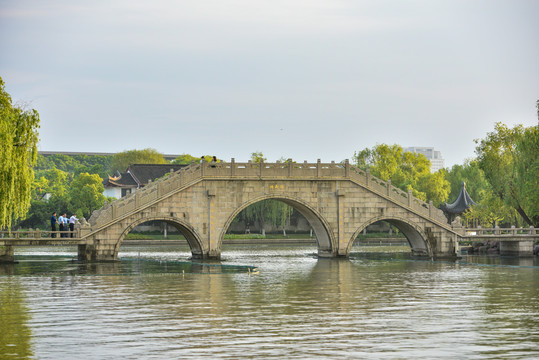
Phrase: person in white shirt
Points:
(72, 220)
(61, 225)
(66, 224)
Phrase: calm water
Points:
(157, 305)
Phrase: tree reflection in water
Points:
(15, 334)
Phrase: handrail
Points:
(39, 234)
(498, 231)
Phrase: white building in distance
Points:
(435, 157)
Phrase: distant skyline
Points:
(301, 79)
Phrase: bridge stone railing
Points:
(250, 170)
(497, 231)
(37, 234)
(405, 198)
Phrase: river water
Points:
(267, 302)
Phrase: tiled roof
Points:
(463, 202)
(144, 172)
(139, 174)
(124, 180)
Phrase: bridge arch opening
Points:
(161, 230)
(397, 231)
(302, 219)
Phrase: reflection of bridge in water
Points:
(202, 200)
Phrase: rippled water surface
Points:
(267, 302)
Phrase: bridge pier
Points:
(7, 254)
(516, 247)
(90, 253)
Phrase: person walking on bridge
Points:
(53, 224)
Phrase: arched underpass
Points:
(391, 235)
(313, 225)
(179, 236)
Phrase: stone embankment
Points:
(479, 247)
(488, 247)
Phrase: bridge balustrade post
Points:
(114, 209)
(318, 167)
(346, 168)
(496, 230)
(290, 168)
(160, 189)
(202, 165)
(261, 165)
(38, 234)
(532, 230)
(389, 188)
(137, 199)
(513, 230)
(368, 177)
(431, 208)
(232, 166)
(410, 198)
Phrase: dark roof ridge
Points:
(461, 204)
(133, 176)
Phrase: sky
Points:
(300, 79)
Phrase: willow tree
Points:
(509, 157)
(18, 153)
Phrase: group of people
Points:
(212, 162)
(64, 224)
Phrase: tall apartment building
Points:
(435, 157)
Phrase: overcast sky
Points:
(305, 79)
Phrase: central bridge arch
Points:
(413, 233)
(193, 239)
(320, 225)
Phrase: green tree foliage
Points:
(54, 182)
(185, 159)
(86, 194)
(18, 151)
(75, 164)
(406, 170)
(490, 211)
(509, 159)
(258, 157)
(40, 212)
(265, 212)
(122, 160)
(472, 175)
(527, 170)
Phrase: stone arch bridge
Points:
(201, 200)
